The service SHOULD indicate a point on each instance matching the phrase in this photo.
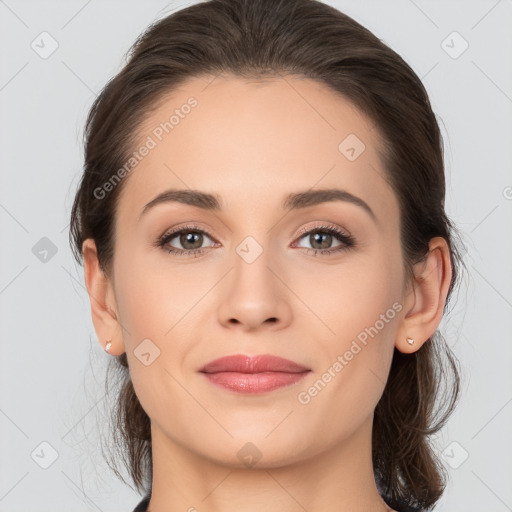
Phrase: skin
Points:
(254, 142)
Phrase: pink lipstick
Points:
(256, 374)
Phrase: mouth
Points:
(253, 375)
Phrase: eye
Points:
(190, 238)
(321, 239)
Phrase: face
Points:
(315, 280)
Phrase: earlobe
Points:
(101, 296)
(427, 297)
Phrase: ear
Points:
(102, 298)
(426, 297)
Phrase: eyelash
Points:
(347, 241)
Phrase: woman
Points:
(262, 225)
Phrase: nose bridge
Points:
(254, 295)
(258, 247)
(251, 260)
(252, 233)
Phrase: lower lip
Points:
(254, 382)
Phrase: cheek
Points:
(152, 298)
(355, 362)
(361, 306)
(350, 297)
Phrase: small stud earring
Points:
(108, 345)
(410, 341)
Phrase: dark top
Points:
(143, 505)
(399, 507)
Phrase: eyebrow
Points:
(294, 201)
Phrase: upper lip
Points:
(252, 364)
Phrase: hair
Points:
(273, 38)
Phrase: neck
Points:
(340, 479)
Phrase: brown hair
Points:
(268, 38)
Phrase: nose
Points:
(254, 295)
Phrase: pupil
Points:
(327, 240)
(189, 238)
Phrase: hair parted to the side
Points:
(272, 38)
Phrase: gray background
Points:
(51, 366)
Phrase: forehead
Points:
(251, 140)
